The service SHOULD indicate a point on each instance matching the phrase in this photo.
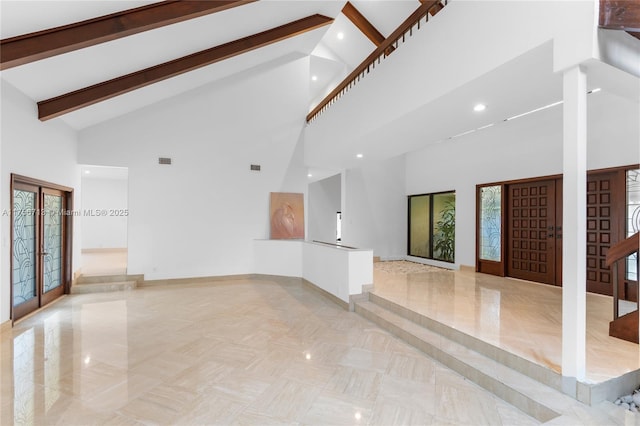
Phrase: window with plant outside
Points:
(432, 226)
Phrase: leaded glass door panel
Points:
(52, 244)
(24, 256)
(490, 229)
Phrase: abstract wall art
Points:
(286, 213)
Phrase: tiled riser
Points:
(489, 382)
(103, 287)
(102, 279)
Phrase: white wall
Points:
(324, 202)
(526, 147)
(98, 230)
(200, 215)
(375, 211)
(278, 257)
(45, 151)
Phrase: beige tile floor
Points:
(521, 317)
(234, 352)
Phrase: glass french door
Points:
(39, 252)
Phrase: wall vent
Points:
(255, 167)
(164, 160)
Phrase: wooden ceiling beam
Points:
(39, 45)
(620, 15)
(73, 101)
(363, 24)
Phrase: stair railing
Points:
(392, 42)
(617, 252)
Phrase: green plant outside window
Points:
(432, 226)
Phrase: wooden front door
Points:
(605, 213)
(534, 231)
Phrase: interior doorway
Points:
(325, 210)
(41, 236)
(105, 213)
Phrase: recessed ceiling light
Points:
(359, 155)
(86, 172)
(314, 77)
(340, 35)
(479, 107)
(309, 175)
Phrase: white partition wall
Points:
(337, 270)
(278, 257)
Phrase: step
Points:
(625, 327)
(522, 365)
(530, 396)
(99, 279)
(84, 288)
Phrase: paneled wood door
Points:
(605, 213)
(534, 231)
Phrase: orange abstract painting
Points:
(287, 215)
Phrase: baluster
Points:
(615, 290)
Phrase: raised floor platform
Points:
(503, 333)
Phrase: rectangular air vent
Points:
(164, 160)
(255, 167)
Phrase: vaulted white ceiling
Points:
(332, 58)
(522, 85)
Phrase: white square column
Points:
(574, 228)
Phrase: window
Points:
(633, 218)
(490, 229)
(432, 226)
(490, 223)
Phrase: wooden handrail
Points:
(623, 249)
(383, 50)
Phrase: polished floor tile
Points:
(245, 352)
(520, 317)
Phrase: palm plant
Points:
(445, 238)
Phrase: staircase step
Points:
(625, 327)
(84, 288)
(532, 397)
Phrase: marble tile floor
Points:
(249, 352)
(521, 317)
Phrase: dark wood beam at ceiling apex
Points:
(73, 101)
(620, 15)
(44, 44)
(363, 24)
